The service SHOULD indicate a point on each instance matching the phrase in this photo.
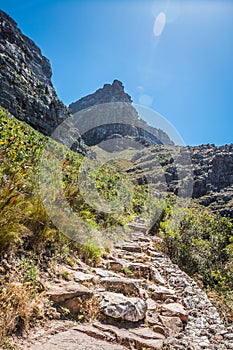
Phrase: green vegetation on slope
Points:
(201, 243)
(23, 221)
(197, 240)
(29, 240)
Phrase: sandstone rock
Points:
(66, 290)
(109, 93)
(145, 339)
(127, 286)
(132, 247)
(147, 333)
(229, 336)
(105, 273)
(152, 318)
(151, 304)
(156, 276)
(75, 340)
(116, 265)
(26, 90)
(159, 329)
(175, 309)
(80, 276)
(173, 325)
(120, 307)
(69, 294)
(108, 117)
(210, 168)
(162, 293)
(140, 270)
(138, 227)
(96, 332)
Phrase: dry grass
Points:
(17, 308)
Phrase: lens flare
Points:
(159, 24)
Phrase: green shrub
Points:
(200, 242)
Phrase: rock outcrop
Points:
(26, 90)
(206, 169)
(213, 176)
(109, 93)
(108, 114)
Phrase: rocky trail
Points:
(136, 298)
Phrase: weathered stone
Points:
(115, 265)
(156, 276)
(132, 247)
(109, 93)
(175, 309)
(69, 294)
(66, 290)
(138, 227)
(147, 333)
(120, 307)
(95, 332)
(108, 117)
(207, 170)
(80, 276)
(159, 329)
(174, 325)
(75, 340)
(26, 89)
(151, 304)
(140, 270)
(105, 273)
(127, 286)
(152, 318)
(162, 293)
(129, 338)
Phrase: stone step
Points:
(138, 227)
(161, 305)
(135, 338)
(120, 284)
(77, 340)
(132, 247)
(69, 295)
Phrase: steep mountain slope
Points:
(108, 114)
(206, 168)
(26, 89)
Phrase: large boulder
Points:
(118, 306)
(69, 295)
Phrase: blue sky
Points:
(174, 56)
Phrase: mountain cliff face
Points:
(26, 89)
(108, 114)
(207, 169)
(213, 176)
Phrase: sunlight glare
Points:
(146, 100)
(159, 24)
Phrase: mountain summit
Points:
(109, 93)
(27, 92)
(108, 114)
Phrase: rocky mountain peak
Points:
(108, 114)
(114, 92)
